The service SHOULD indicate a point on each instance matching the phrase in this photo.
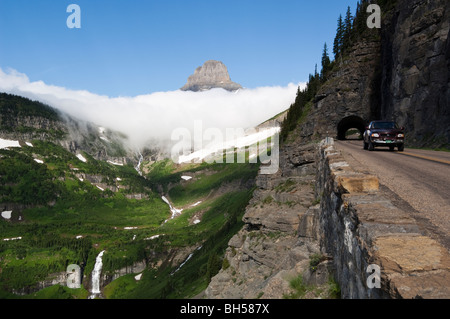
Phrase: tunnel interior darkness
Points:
(350, 122)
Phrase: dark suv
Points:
(384, 133)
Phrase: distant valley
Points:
(71, 190)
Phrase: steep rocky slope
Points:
(279, 239)
(350, 97)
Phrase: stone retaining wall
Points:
(362, 232)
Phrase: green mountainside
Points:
(70, 190)
(66, 205)
(23, 119)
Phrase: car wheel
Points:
(371, 147)
(391, 148)
(401, 148)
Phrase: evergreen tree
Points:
(348, 27)
(326, 62)
(213, 266)
(339, 39)
(360, 20)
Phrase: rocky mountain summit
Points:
(213, 74)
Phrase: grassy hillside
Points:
(67, 207)
(220, 213)
(57, 205)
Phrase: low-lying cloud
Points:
(156, 115)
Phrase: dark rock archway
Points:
(350, 122)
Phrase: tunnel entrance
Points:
(351, 127)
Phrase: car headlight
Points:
(401, 135)
(375, 135)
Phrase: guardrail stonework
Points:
(358, 227)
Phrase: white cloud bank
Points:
(156, 115)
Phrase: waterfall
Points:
(96, 273)
(138, 167)
(187, 259)
(175, 212)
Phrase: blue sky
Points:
(136, 47)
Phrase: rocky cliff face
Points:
(279, 238)
(27, 120)
(400, 72)
(213, 74)
(416, 70)
(349, 98)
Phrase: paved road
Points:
(418, 181)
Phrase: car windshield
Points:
(384, 125)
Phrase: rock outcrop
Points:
(400, 72)
(213, 74)
(416, 70)
(136, 268)
(350, 97)
(279, 237)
